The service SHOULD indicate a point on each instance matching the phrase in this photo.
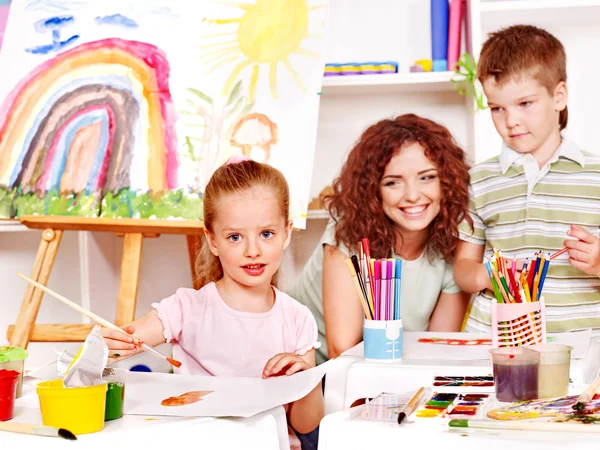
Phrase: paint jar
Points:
(8, 390)
(13, 358)
(515, 373)
(115, 394)
(553, 374)
(78, 409)
(383, 339)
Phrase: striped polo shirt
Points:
(521, 208)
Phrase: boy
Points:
(539, 191)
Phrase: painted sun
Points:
(266, 35)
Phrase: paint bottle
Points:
(8, 390)
(115, 395)
(515, 373)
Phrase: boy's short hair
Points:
(509, 52)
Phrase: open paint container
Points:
(13, 358)
(553, 373)
(516, 372)
(8, 387)
(115, 394)
(383, 339)
(79, 409)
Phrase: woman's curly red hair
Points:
(356, 201)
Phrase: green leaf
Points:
(201, 95)
(235, 93)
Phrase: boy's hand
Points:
(291, 362)
(119, 344)
(584, 254)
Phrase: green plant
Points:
(465, 80)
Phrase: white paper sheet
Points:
(232, 397)
(413, 349)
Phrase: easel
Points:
(133, 230)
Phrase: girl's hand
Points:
(119, 344)
(288, 363)
(584, 254)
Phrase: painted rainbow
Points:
(96, 119)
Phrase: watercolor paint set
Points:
(454, 405)
(463, 384)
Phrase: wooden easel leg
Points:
(42, 268)
(130, 277)
(194, 244)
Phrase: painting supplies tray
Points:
(385, 407)
(463, 384)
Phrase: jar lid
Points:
(12, 354)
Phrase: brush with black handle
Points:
(39, 430)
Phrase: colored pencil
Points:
(360, 279)
(558, 253)
(367, 250)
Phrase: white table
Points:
(354, 377)
(338, 431)
(267, 430)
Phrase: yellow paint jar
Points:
(79, 410)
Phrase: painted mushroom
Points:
(254, 134)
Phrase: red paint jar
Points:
(8, 390)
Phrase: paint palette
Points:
(453, 405)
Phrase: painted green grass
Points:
(125, 204)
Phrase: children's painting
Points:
(125, 108)
(165, 394)
(4, 8)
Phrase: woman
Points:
(405, 188)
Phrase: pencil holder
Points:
(383, 339)
(518, 324)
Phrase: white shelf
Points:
(318, 214)
(386, 83)
(10, 225)
(542, 12)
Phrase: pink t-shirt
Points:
(210, 338)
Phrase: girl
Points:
(405, 188)
(238, 324)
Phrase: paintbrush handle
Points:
(531, 426)
(14, 427)
(73, 305)
(588, 394)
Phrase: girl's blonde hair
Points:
(230, 178)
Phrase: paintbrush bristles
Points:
(587, 395)
(66, 434)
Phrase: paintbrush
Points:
(105, 323)
(530, 426)
(410, 406)
(39, 430)
(587, 395)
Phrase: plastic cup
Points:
(515, 373)
(8, 387)
(13, 358)
(383, 339)
(555, 366)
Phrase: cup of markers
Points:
(378, 285)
